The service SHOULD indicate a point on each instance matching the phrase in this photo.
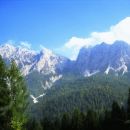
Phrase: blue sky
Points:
(52, 23)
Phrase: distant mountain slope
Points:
(104, 58)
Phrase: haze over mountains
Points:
(44, 68)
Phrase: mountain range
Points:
(42, 69)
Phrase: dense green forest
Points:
(118, 117)
(99, 102)
(95, 92)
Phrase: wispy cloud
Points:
(41, 46)
(25, 44)
(11, 42)
(120, 31)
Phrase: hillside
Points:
(95, 92)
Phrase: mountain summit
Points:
(28, 60)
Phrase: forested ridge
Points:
(118, 117)
(96, 92)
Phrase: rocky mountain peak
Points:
(104, 58)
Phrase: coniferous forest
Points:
(118, 117)
(81, 111)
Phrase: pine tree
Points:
(4, 97)
(116, 111)
(117, 120)
(34, 125)
(65, 123)
(91, 120)
(18, 97)
(47, 124)
(128, 106)
(57, 124)
(77, 120)
(107, 120)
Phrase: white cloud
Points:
(25, 44)
(120, 31)
(41, 46)
(11, 42)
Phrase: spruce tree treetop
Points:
(19, 97)
(128, 105)
(5, 101)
